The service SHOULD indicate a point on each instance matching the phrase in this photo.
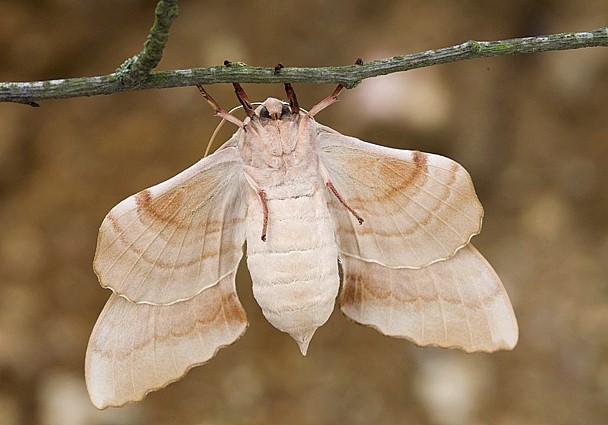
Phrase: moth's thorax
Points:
(278, 146)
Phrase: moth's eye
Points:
(285, 111)
(264, 113)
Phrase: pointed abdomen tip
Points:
(303, 340)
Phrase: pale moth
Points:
(307, 200)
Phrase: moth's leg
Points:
(241, 95)
(262, 195)
(332, 98)
(333, 189)
(293, 101)
(219, 111)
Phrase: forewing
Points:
(417, 208)
(171, 241)
(138, 348)
(456, 303)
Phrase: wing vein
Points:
(179, 253)
(152, 265)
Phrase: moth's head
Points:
(273, 130)
(274, 109)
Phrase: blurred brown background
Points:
(532, 131)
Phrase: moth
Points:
(308, 201)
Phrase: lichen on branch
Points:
(134, 70)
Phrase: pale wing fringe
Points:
(135, 349)
(423, 206)
(172, 241)
(211, 285)
(457, 303)
(367, 260)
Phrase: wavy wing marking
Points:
(138, 348)
(170, 242)
(417, 208)
(456, 303)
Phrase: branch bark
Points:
(136, 72)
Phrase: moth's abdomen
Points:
(295, 271)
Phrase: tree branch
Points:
(134, 70)
(135, 73)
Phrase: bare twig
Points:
(134, 70)
(135, 73)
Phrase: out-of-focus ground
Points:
(532, 131)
